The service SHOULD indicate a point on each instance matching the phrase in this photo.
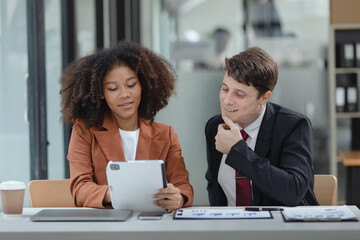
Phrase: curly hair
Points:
(82, 80)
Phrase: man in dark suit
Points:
(258, 153)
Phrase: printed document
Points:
(220, 213)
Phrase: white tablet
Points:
(133, 183)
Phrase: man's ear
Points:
(265, 97)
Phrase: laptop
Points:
(81, 215)
(133, 183)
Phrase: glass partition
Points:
(197, 35)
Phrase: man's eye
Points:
(225, 89)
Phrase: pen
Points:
(263, 209)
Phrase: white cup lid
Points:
(12, 185)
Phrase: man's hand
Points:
(228, 134)
(171, 198)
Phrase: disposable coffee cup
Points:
(12, 197)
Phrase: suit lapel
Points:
(109, 139)
(149, 148)
(263, 142)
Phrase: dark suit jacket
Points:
(281, 167)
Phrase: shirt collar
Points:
(253, 128)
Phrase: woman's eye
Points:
(112, 89)
(131, 85)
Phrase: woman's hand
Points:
(171, 198)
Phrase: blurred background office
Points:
(38, 38)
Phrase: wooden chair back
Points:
(50, 193)
(325, 189)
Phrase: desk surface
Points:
(22, 228)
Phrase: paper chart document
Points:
(318, 214)
(220, 213)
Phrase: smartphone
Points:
(150, 215)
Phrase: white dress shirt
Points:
(226, 176)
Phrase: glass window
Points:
(14, 128)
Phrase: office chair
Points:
(325, 189)
(50, 193)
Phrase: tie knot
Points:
(244, 134)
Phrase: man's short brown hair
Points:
(253, 67)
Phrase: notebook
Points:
(81, 215)
(133, 183)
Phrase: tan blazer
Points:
(91, 149)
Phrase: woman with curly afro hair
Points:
(111, 98)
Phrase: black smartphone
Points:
(150, 215)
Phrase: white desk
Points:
(167, 228)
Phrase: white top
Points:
(129, 141)
(226, 176)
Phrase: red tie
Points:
(243, 189)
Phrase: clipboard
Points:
(133, 183)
